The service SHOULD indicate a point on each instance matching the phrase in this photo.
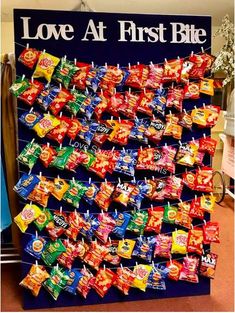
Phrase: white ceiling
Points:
(216, 8)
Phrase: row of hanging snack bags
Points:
(143, 276)
(128, 103)
(126, 161)
(38, 188)
(110, 77)
(59, 222)
(118, 131)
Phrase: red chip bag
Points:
(114, 104)
(66, 259)
(192, 90)
(113, 160)
(95, 255)
(74, 129)
(125, 278)
(103, 198)
(30, 95)
(58, 225)
(208, 264)
(189, 179)
(196, 211)
(58, 133)
(75, 159)
(60, 101)
(75, 222)
(47, 155)
(204, 179)
(129, 105)
(79, 78)
(29, 57)
(175, 97)
(211, 233)
(195, 240)
(172, 70)
(145, 100)
(174, 269)
(174, 187)
(101, 164)
(122, 193)
(155, 75)
(104, 280)
(208, 145)
(138, 75)
(189, 270)
(154, 222)
(111, 78)
(199, 67)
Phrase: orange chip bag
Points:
(174, 269)
(195, 240)
(60, 187)
(207, 86)
(34, 279)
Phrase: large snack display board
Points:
(122, 40)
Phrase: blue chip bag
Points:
(144, 248)
(126, 162)
(25, 185)
(30, 119)
(91, 192)
(88, 105)
(122, 220)
(138, 131)
(88, 131)
(156, 279)
(47, 96)
(138, 194)
(158, 103)
(90, 225)
(94, 77)
(35, 246)
(74, 278)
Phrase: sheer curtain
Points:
(9, 137)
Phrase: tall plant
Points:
(225, 59)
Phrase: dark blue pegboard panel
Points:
(111, 51)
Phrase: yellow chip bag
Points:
(125, 248)
(60, 188)
(199, 116)
(207, 86)
(45, 66)
(179, 242)
(207, 202)
(141, 272)
(34, 279)
(47, 123)
(29, 213)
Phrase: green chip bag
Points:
(56, 282)
(52, 250)
(75, 192)
(170, 213)
(62, 157)
(88, 159)
(43, 219)
(138, 222)
(30, 154)
(19, 86)
(65, 71)
(74, 105)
